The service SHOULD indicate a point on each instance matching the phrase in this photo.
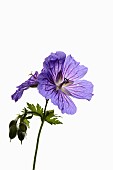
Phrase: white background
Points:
(29, 32)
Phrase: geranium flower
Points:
(60, 80)
(31, 82)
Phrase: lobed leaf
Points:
(51, 118)
(31, 107)
(37, 110)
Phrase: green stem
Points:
(38, 137)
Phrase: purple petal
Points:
(53, 56)
(17, 95)
(72, 70)
(54, 63)
(64, 103)
(46, 85)
(31, 82)
(82, 89)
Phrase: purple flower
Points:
(31, 82)
(60, 80)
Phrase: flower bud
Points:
(21, 135)
(12, 131)
(13, 122)
(22, 127)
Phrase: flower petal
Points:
(31, 82)
(82, 89)
(64, 103)
(54, 63)
(72, 70)
(46, 85)
(17, 95)
(53, 56)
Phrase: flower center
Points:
(62, 83)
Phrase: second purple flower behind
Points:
(31, 82)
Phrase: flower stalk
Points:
(38, 137)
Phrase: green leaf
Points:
(31, 107)
(37, 110)
(52, 118)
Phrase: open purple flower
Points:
(60, 80)
(31, 82)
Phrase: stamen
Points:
(65, 80)
(63, 83)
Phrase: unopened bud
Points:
(13, 122)
(21, 135)
(22, 127)
(12, 132)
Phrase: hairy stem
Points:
(38, 137)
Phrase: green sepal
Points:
(26, 122)
(51, 118)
